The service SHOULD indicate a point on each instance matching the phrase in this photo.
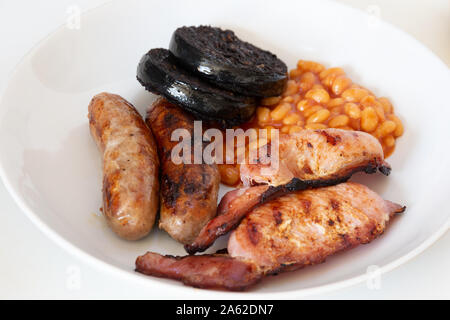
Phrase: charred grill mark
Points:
(335, 204)
(192, 188)
(169, 120)
(345, 239)
(299, 185)
(384, 169)
(222, 251)
(253, 233)
(171, 190)
(277, 217)
(307, 169)
(333, 140)
(306, 204)
(370, 168)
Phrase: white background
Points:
(31, 266)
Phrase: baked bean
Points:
(310, 66)
(229, 174)
(336, 110)
(263, 115)
(291, 88)
(386, 104)
(307, 80)
(296, 98)
(331, 71)
(399, 126)
(318, 94)
(385, 128)
(369, 119)
(352, 110)
(293, 118)
(319, 116)
(335, 102)
(389, 141)
(295, 73)
(302, 105)
(289, 99)
(339, 121)
(355, 124)
(311, 110)
(280, 111)
(354, 94)
(380, 112)
(271, 101)
(340, 84)
(319, 98)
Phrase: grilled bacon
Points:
(307, 159)
(310, 155)
(285, 234)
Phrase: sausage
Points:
(130, 165)
(188, 191)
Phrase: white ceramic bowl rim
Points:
(101, 265)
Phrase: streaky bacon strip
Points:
(308, 159)
(311, 155)
(237, 204)
(285, 234)
(204, 271)
(303, 228)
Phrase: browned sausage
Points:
(130, 165)
(188, 191)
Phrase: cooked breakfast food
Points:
(130, 165)
(312, 155)
(307, 159)
(159, 73)
(320, 98)
(220, 57)
(294, 208)
(285, 234)
(188, 191)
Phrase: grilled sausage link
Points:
(188, 191)
(130, 165)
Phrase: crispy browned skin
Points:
(130, 165)
(303, 228)
(308, 159)
(231, 210)
(312, 155)
(205, 271)
(285, 234)
(188, 191)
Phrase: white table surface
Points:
(32, 266)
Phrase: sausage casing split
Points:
(130, 165)
(188, 191)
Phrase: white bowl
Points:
(51, 166)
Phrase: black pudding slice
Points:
(158, 73)
(223, 59)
